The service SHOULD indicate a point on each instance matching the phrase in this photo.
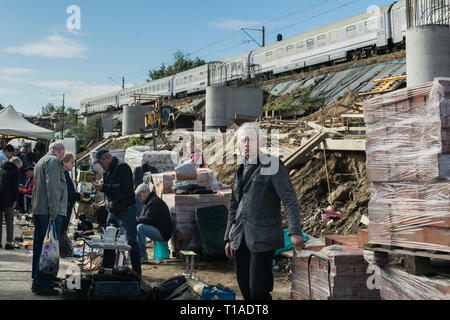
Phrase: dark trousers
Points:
(254, 273)
(41, 223)
(126, 220)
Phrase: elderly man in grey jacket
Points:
(49, 202)
(254, 231)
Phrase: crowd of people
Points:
(254, 229)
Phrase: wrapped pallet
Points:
(348, 275)
(408, 163)
(162, 160)
(182, 209)
(204, 177)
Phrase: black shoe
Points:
(1, 245)
(9, 247)
(44, 291)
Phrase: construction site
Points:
(366, 145)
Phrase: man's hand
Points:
(297, 242)
(14, 205)
(98, 186)
(228, 251)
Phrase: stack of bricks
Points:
(182, 209)
(408, 163)
(348, 276)
(397, 284)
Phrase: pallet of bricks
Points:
(183, 207)
(331, 269)
(408, 164)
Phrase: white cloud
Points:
(7, 91)
(232, 24)
(16, 71)
(53, 46)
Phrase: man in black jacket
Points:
(254, 229)
(9, 195)
(120, 200)
(155, 221)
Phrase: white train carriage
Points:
(99, 104)
(157, 87)
(191, 81)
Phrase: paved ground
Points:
(15, 273)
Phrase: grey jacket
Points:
(257, 217)
(50, 190)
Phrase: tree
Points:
(182, 63)
(48, 110)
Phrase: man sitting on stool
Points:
(155, 221)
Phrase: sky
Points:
(83, 48)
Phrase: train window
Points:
(300, 46)
(280, 53)
(185, 79)
(370, 25)
(190, 78)
(351, 31)
(321, 41)
(380, 23)
(310, 43)
(333, 36)
(158, 87)
(397, 18)
(289, 50)
(269, 56)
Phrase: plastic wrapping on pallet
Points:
(182, 209)
(205, 178)
(408, 133)
(397, 284)
(161, 160)
(408, 163)
(348, 275)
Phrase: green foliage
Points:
(84, 133)
(301, 97)
(181, 64)
(133, 141)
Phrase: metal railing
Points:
(427, 12)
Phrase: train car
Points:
(162, 86)
(100, 103)
(230, 69)
(191, 81)
(346, 39)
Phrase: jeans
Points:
(126, 220)
(144, 231)
(138, 207)
(8, 212)
(41, 223)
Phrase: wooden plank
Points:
(407, 251)
(302, 155)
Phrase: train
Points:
(373, 32)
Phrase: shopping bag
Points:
(49, 261)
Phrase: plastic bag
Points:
(49, 261)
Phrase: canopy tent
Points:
(13, 124)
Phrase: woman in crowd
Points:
(68, 162)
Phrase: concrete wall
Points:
(134, 119)
(223, 103)
(427, 54)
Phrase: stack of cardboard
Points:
(408, 163)
(182, 208)
(348, 275)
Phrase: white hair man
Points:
(49, 205)
(155, 221)
(254, 230)
(9, 195)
